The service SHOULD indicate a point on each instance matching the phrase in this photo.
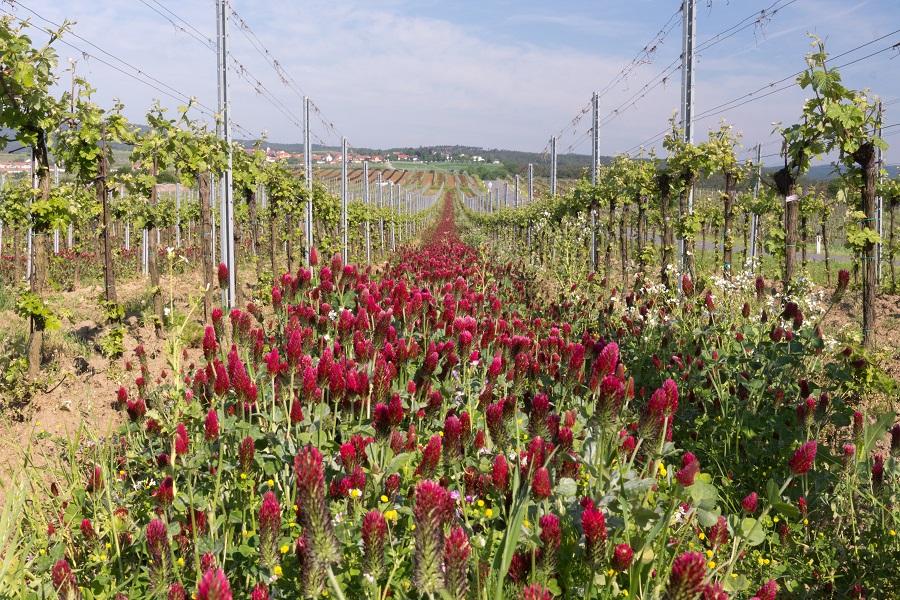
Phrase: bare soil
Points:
(848, 316)
(78, 393)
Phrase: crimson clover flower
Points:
(690, 466)
(315, 516)
(181, 440)
(210, 345)
(500, 473)
(535, 591)
(594, 525)
(158, 548)
(540, 487)
(223, 275)
(214, 586)
(718, 533)
(750, 503)
(802, 460)
(269, 529)
(452, 444)
(176, 592)
(88, 532)
(260, 592)
(64, 581)
(768, 590)
(686, 578)
(456, 563)
(842, 284)
(622, 557)
(246, 452)
(374, 534)
(551, 538)
(211, 426)
(496, 425)
(431, 510)
(431, 455)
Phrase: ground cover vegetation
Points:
(441, 430)
(480, 416)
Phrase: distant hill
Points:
(496, 162)
(569, 165)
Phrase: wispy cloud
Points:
(404, 72)
(580, 22)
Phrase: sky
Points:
(490, 73)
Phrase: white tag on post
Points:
(791, 198)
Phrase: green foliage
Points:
(248, 169)
(112, 311)
(858, 238)
(774, 241)
(30, 305)
(28, 109)
(26, 106)
(64, 205)
(196, 150)
(721, 152)
(90, 132)
(844, 118)
(14, 199)
(685, 161)
(112, 342)
(889, 190)
(14, 385)
(155, 149)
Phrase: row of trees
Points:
(80, 134)
(836, 121)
